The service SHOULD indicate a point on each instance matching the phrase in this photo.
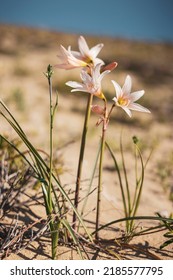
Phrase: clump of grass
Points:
(55, 205)
(130, 203)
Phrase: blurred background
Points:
(133, 19)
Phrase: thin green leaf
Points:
(70, 230)
(134, 218)
(119, 178)
(126, 178)
(166, 243)
(140, 182)
(91, 179)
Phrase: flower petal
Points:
(126, 89)
(68, 57)
(86, 78)
(80, 89)
(63, 51)
(136, 95)
(138, 107)
(127, 110)
(64, 66)
(74, 84)
(94, 51)
(104, 74)
(98, 61)
(83, 47)
(96, 74)
(117, 89)
(77, 55)
(114, 99)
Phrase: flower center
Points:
(90, 86)
(123, 101)
(89, 60)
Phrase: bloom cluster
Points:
(92, 72)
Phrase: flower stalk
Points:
(99, 189)
(54, 225)
(81, 155)
(49, 77)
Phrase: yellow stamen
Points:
(89, 61)
(123, 101)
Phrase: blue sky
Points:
(134, 19)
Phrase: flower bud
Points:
(111, 66)
(97, 109)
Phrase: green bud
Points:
(49, 72)
(135, 139)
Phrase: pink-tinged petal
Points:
(136, 95)
(117, 89)
(63, 50)
(98, 61)
(86, 78)
(104, 74)
(127, 111)
(76, 62)
(127, 85)
(96, 72)
(65, 53)
(94, 51)
(69, 59)
(97, 69)
(138, 107)
(83, 47)
(74, 84)
(77, 55)
(64, 66)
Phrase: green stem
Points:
(81, 156)
(54, 227)
(140, 184)
(126, 184)
(51, 145)
(137, 180)
(91, 180)
(100, 181)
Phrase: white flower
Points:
(126, 100)
(90, 83)
(85, 57)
